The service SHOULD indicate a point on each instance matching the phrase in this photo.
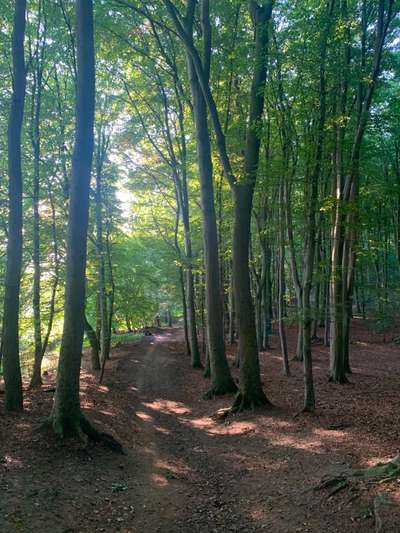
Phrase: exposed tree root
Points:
(378, 473)
(220, 390)
(245, 402)
(79, 427)
(338, 381)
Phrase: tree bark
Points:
(36, 380)
(94, 345)
(221, 379)
(66, 417)
(281, 285)
(251, 392)
(311, 196)
(10, 348)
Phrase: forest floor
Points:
(188, 471)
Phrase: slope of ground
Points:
(187, 471)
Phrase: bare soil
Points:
(185, 470)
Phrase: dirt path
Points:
(187, 472)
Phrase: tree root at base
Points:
(220, 390)
(341, 381)
(249, 402)
(305, 410)
(377, 474)
(82, 429)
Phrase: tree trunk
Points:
(37, 369)
(221, 379)
(94, 345)
(281, 285)
(251, 393)
(36, 380)
(267, 300)
(232, 317)
(10, 348)
(66, 417)
(347, 185)
(184, 309)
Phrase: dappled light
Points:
(167, 406)
(199, 266)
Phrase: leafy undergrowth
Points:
(189, 471)
(51, 358)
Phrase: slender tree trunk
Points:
(267, 300)
(191, 307)
(104, 354)
(347, 186)
(111, 291)
(10, 348)
(94, 345)
(312, 182)
(221, 379)
(281, 286)
(36, 380)
(66, 417)
(232, 317)
(295, 272)
(184, 309)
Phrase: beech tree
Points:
(66, 417)
(246, 181)
(10, 336)
(250, 393)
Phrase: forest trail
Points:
(184, 470)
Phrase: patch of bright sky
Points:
(126, 162)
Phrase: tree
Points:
(37, 58)
(66, 417)
(221, 379)
(250, 392)
(10, 344)
(347, 182)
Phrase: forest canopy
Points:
(199, 265)
(231, 166)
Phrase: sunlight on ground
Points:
(330, 434)
(144, 416)
(106, 413)
(159, 480)
(168, 407)
(162, 430)
(8, 460)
